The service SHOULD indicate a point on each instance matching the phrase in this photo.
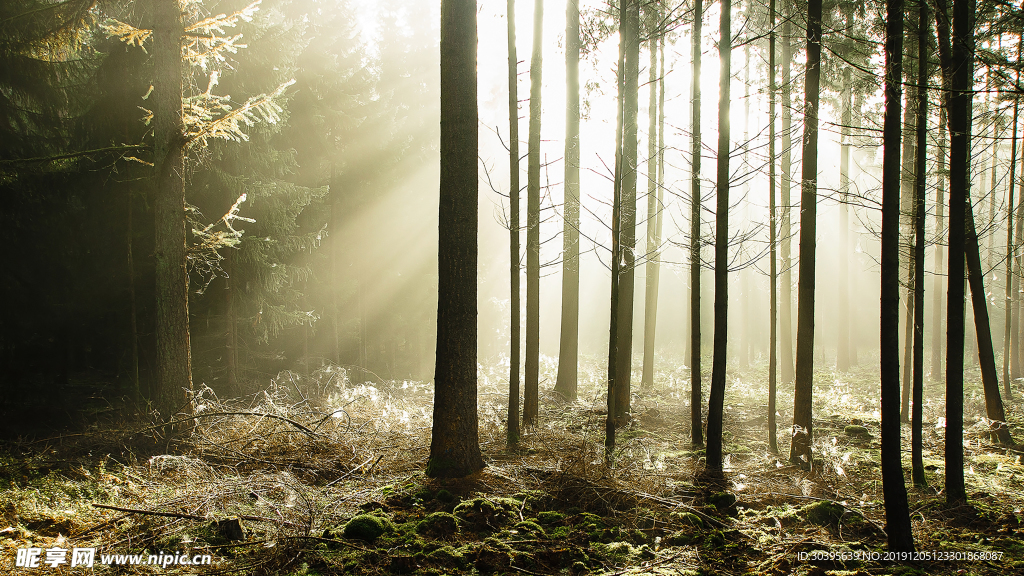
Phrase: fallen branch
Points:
(191, 516)
(307, 431)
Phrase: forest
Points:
(609, 287)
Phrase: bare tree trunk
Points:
(1015, 324)
(786, 284)
(916, 433)
(803, 429)
(1010, 280)
(843, 339)
(173, 354)
(907, 226)
(940, 204)
(530, 397)
(696, 398)
(568, 349)
(716, 400)
(653, 216)
(231, 319)
(135, 393)
(897, 515)
(773, 312)
(512, 437)
(454, 444)
(627, 233)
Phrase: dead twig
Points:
(191, 516)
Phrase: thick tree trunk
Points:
(627, 233)
(716, 399)
(785, 252)
(531, 392)
(512, 436)
(173, 355)
(454, 445)
(916, 433)
(568, 348)
(894, 490)
(803, 429)
(958, 66)
(940, 205)
(773, 311)
(653, 217)
(696, 398)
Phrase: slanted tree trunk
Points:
(568, 348)
(616, 254)
(785, 252)
(716, 400)
(696, 398)
(940, 205)
(958, 66)
(916, 433)
(454, 445)
(627, 232)
(897, 515)
(653, 217)
(773, 312)
(800, 450)
(530, 397)
(512, 437)
(173, 354)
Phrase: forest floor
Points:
(319, 476)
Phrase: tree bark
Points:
(785, 252)
(716, 395)
(800, 450)
(907, 225)
(843, 339)
(454, 445)
(1008, 358)
(173, 354)
(898, 528)
(940, 204)
(773, 311)
(568, 349)
(916, 433)
(696, 397)
(531, 392)
(627, 232)
(512, 436)
(653, 217)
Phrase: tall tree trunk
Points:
(696, 398)
(916, 433)
(907, 225)
(568, 348)
(897, 515)
(747, 325)
(773, 312)
(1008, 371)
(231, 319)
(653, 216)
(843, 339)
(616, 254)
(716, 399)
(800, 450)
(512, 437)
(135, 392)
(940, 205)
(454, 445)
(785, 252)
(958, 66)
(530, 397)
(1015, 324)
(627, 233)
(173, 355)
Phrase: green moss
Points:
(491, 513)
(721, 500)
(714, 539)
(823, 513)
(438, 524)
(857, 431)
(444, 496)
(530, 526)
(688, 519)
(448, 556)
(367, 527)
(550, 517)
(561, 532)
(680, 538)
(616, 550)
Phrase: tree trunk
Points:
(616, 254)
(916, 433)
(512, 437)
(530, 397)
(231, 319)
(843, 339)
(454, 445)
(800, 450)
(773, 312)
(653, 216)
(173, 355)
(1015, 324)
(894, 490)
(568, 349)
(627, 232)
(958, 66)
(135, 393)
(716, 398)
(696, 397)
(786, 283)
(940, 204)
(1010, 280)
(907, 227)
